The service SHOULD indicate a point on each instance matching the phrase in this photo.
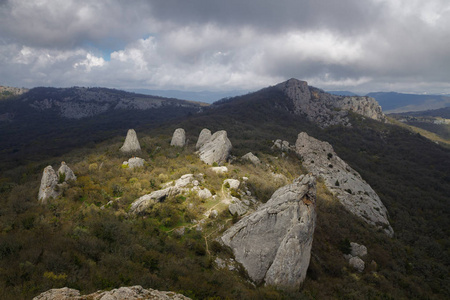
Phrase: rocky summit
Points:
(355, 194)
(325, 109)
(216, 149)
(131, 143)
(274, 243)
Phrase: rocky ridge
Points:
(326, 109)
(353, 192)
(123, 293)
(274, 243)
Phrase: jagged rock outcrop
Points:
(134, 162)
(52, 183)
(251, 158)
(131, 143)
(123, 293)
(352, 191)
(274, 243)
(204, 136)
(216, 149)
(178, 138)
(185, 183)
(325, 109)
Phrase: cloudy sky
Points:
(357, 45)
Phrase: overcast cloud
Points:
(357, 45)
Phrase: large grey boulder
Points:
(274, 243)
(251, 158)
(357, 263)
(204, 136)
(131, 143)
(52, 183)
(216, 149)
(134, 162)
(178, 138)
(355, 194)
(123, 293)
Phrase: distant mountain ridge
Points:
(393, 102)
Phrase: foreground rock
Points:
(131, 143)
(178, 138)
(325, 109)
(274, 243)
(123, 293)
(352, 191)
(216, 149)
(52, 184)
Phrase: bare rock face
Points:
(178, 138)
(131, 143)
(52, 183)
(204, 136)
(325, 109)
(216, 149)
(274, 242)
(123, 293)
(352, 191)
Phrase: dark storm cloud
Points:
(204, 44)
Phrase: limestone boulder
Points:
(178, 138)
(251, 158)
(357, 263)
(358, 250)
(131, 143)
(134, 162)
(274, 242)
(219, 170)
(237, 207)
(204, 136)
(66, 172)
(232, 183)
(216, 149)
(204, 193)
(355, 194)
(52, 183)
(123, 293)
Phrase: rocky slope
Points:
(326, 109)
(274, 243)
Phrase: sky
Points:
(356, 45)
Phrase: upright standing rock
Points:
(178, 138)
(274, 243)
(131, 143)
(204, 136)
(65, 171)
(52, 183)
(48, 183)
(216, 149)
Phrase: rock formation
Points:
(274, 243)
(134, 162)
(281, 145)
(131, 143)
(52, 183)
(354, 258)
(325, 109)
(216, 149)
(352, 191)
(251, 158)
(178, 138)
(204, 136)
(123, 293)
